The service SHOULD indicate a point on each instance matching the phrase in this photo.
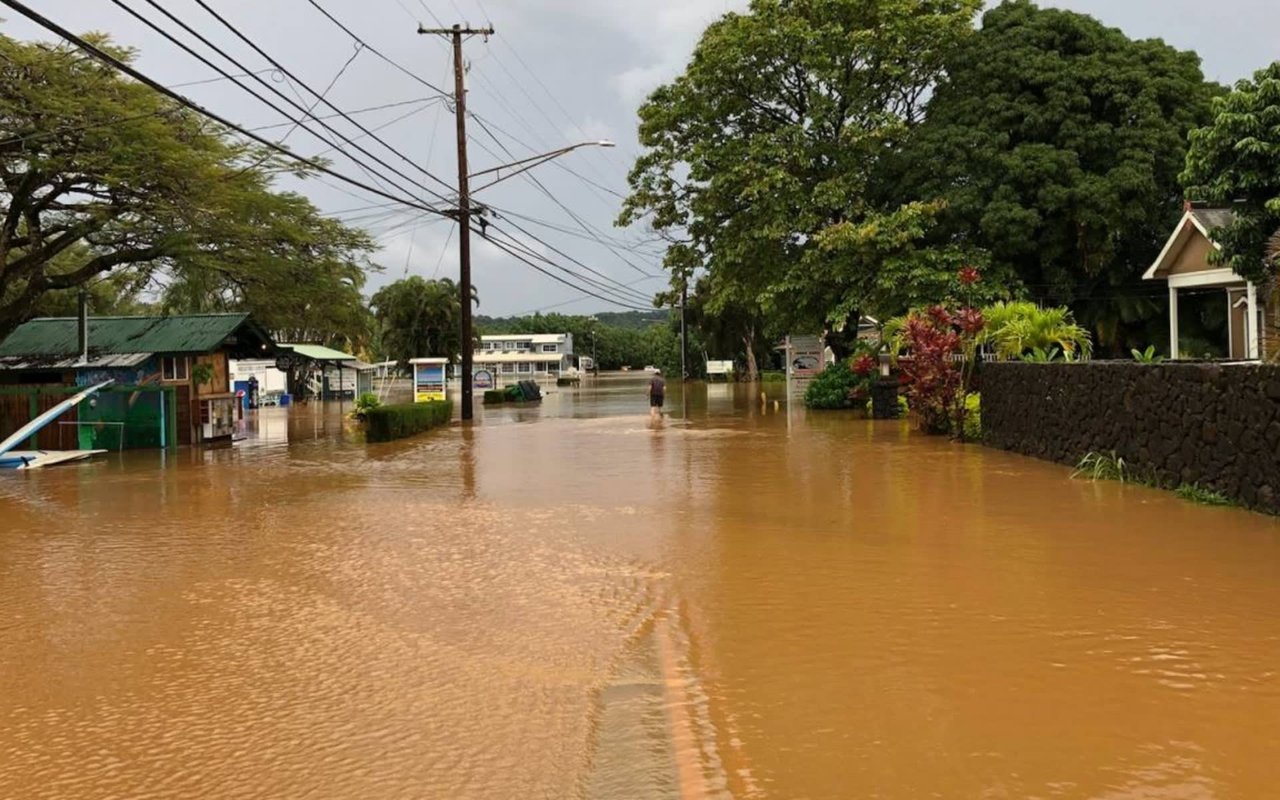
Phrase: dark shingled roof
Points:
(1213, 218)
(58, 337)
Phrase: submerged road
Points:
(568, 601)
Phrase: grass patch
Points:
(1103, 467)
(1195, 493)
(388, 423)
(1111, 467)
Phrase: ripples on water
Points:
(568, 601)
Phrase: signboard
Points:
(428, 379)
(805, 359)
(482, 379)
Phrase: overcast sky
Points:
(556, 73)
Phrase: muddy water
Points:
(566, 602)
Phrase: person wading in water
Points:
(657, 394)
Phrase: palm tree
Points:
(417, 317)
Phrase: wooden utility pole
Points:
(463, 212)
(684, 337)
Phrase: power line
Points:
(127, 69)
(364, 167)
(501, 98)
(341, 71)
(203, 81)
(551, 196)
(383, 126)
(562, 254)
(443, 251)
(640, 247)
(204, 40)
(135, 117)
(615, 288)
(378, 52)
(132, 72)
(553, 276)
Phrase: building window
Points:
(525, 366)
(174, 369)
(507, 369)
(509, 345)
(550, 348)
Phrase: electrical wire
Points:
(551, 275)
(622, 295)
(551, 196)
(311, 110)
(132, 72)
(234, 30)
(378, 52)
(443, 251)
(570, 258)
(301, 108)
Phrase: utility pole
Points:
(463, 214)
(684, 341)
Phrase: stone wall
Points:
(1216, 425)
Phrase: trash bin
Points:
(284, 399)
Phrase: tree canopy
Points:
(1235, 161)
(759, 159)
(99, 174)
(1055, 144)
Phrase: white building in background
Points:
(525, 355)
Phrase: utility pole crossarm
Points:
(465, 31)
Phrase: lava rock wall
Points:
(1216, 425)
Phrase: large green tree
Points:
(418, 318)
(99, 174)
(300, 274)
(1235, 161)
(1055, 143)
(760, 160)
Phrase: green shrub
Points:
(844, 384)
(387, 423)
(366, 403)
(973, 418)
(773, 376)
(833, 388)
(495, 396)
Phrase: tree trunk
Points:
(843, 343)
(753, 371)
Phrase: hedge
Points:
(494, 396)
(387, 423)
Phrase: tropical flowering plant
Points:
(942, 347)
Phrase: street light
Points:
(463, 214)
(526, 164)
(595, 365)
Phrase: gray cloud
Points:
(597, 59)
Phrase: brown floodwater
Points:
(565, 601)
